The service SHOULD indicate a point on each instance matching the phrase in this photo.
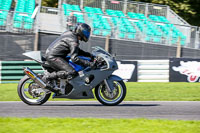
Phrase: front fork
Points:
(109, 83)
(109, 87)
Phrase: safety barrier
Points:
(147, 70)
(12, 71)
(153, 71)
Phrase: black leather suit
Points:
(66, 44)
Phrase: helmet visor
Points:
(86, 34)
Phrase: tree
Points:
(194, 19)
(188, 9)
(50, 3)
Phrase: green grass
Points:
(92, 125)
(171, 91)
(135, 92)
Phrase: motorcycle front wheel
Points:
(111, 98)
(31, 93)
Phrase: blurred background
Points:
(149, 33)
(146, 29)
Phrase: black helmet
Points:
(83, 30)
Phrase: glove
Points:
(99, 61)
(93, 57)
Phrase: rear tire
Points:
(119, 93)
(21, 92)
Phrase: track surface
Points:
(156, 109)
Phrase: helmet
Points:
(83, 30)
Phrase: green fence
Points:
(12, 71)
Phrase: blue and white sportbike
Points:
(108, 89)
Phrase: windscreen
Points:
(100, 50)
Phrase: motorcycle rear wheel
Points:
(28, 92)
(111, 99)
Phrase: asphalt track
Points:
(176, 110)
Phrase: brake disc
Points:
(108, 95)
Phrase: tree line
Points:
(189, 10)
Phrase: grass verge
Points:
(172, 91)
(135, 92)
(92, 125)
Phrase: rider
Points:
(68, 44)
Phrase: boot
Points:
(67, 75)
(47, 78)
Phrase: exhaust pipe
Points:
(34, 77)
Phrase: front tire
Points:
(30, 92)
(110, 99)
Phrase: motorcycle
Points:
(108, 89)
